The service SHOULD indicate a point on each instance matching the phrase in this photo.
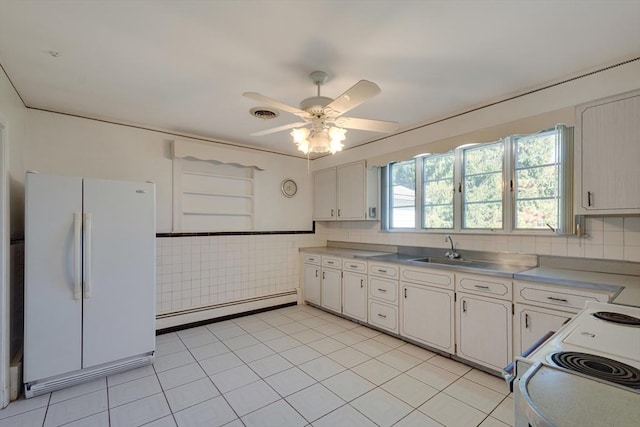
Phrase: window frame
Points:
(565, 205)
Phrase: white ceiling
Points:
(182, 66)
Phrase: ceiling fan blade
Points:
(278, 129)
(279, 105)
(366, 124)
(354, 96)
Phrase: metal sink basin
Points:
(460, 262)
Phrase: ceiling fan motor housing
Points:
(315, 105)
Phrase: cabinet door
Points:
(354, 295)
(332, 289)
(119, 308)
(52, 309)
(312, 283)
(351, 191)
(427, 316)
(609, 150)
(532, 323)
(484, 330)
(324, 194)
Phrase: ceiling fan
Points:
(323, 127)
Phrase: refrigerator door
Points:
(119, 271)
(53, 315)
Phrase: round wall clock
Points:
(289, 187)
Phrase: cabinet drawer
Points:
(383, 270)
(384, 316)
(352, 265)
(423, 276)
(384, 289)
(484, 285)
(331, 262)
(312, 259)
(572, 299)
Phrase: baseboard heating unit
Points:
(199, 314)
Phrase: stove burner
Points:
(598, 367)
(620, 318)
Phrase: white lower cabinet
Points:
(311, 278)
(383, 315)
(427, 316)
(354, 295)
(427, 307)
(532, 323)
(383, 296)
(332, 289)
(483, 330)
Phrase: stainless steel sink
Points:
(460, 262)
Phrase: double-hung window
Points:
(521, 183)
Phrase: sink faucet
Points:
(451, 254)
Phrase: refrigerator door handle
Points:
(77, 255)
(87, 255)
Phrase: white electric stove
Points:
(596, 356)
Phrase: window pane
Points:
(438, 191)
(537, 181)
(483, 186)
(402, 203)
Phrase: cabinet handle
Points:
(323, 275)
(588, 198)
(526, 321)
(459, 187)
(557, 299)
(331, 212)
(405, 292)
(330, 262)
(316, 272)
(384, 316)
(481, 287)
(381, 270)
(339, 212)
(361, 283)
(382, 290)
(464, 306)
(353, 266)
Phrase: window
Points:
(438, 191)
(537, 181)
(520, 183)
(483, 173)
(402, 201)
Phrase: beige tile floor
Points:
(294, 366)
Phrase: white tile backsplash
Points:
(195, 272)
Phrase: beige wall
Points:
(13, 115)
(66, 145)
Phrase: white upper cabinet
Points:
(324, 194)
(347, 192)
(607, 156)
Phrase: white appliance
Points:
(588, 373)
(89, 279)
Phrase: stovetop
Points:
(593, 345)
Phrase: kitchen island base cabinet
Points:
(484, 330)
(427, 316)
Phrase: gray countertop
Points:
(625, 288)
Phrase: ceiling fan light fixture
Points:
(319, 141)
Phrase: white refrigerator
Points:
(89, 279)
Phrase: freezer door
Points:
(53, 315)
(119, 270)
